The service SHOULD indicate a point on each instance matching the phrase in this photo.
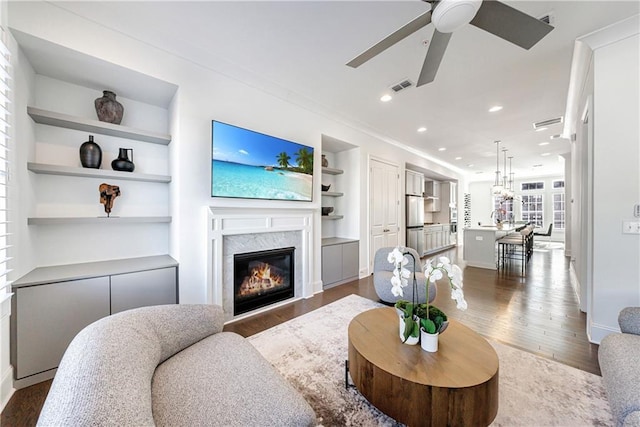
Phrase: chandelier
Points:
(503, 186)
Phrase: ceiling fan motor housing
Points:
(450, 15)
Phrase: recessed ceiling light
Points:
(537, 166)
(386, 98)
(470, 165)
(442, 149)
(545, 154)
(555, 136)
(458, 158)
(495, 108)
(544, 143)
(540, 129)
(422, 129)
(479, 172)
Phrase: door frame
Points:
(370, 159)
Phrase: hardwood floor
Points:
(538, 313)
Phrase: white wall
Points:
(203, 95)
(616, 154)
(606, 172)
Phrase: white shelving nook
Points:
(340, 245)
(123, 260)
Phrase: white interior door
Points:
(384, 206)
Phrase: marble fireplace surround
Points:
(240, 230)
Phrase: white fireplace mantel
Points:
(223, 222)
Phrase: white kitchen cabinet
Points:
(437, 238)
(414, 183)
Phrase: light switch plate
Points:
(630, 227)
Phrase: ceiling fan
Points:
(449, 15)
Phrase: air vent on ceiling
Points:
(402, 85)
(547, 123)
(548, 18)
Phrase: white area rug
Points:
(310, 352)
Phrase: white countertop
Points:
(491, 228)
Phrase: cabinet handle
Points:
(385, 230)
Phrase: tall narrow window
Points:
(5, 81)
(533, 209)
(558, 210)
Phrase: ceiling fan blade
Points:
(393, 38)
(510, 24)
(437, 46)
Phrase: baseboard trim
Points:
(34, 379)
(6, 388)
(596, 332)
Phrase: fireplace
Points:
(262, 278)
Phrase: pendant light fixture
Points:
(497, 187)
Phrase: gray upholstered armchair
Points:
(619, 357)
(383, 271)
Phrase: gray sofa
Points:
(383, 271)
(619, 357)
(169, 365)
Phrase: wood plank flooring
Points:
(538, 313)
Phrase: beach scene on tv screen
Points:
(248, 164)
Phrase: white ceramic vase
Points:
(428, 342)
(401, 325)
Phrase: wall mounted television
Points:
(251, 165)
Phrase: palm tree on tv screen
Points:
(305, 160)
(283, 160)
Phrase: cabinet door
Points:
(143, 288)
(350, 257)
(331, 264)
(49, 316)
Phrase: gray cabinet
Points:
(340, 261)
(143, 288)
(49, 316)
(52, 304)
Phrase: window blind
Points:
(5, 140)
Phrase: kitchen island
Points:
(479, 248)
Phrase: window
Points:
(558, 184)
(558, 210)
(532, 209)
(5, 80)
(507, 205)
(532, 186)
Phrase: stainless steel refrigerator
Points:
(415, 223)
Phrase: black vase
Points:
(108, 109)
(122, 163)
(90, 154)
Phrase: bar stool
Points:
(516, 246)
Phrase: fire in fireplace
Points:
(262, 278)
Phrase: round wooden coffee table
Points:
(456, 386)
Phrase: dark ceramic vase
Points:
(108, 109)
(90, 154)
(122, 163)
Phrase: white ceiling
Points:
(301, 48)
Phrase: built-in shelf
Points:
(97, 220)
(60, 273)
(41, 168)
(332, 171)
(95, 126)
(332, 216)
(332, 194)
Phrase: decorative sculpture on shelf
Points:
(108, 194)
(108, 109)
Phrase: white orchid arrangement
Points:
(432, 319)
